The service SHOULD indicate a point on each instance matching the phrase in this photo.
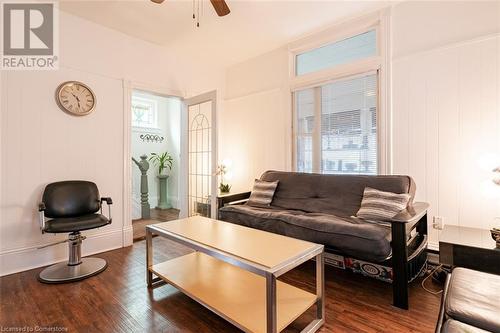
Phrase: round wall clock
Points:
(75, 98)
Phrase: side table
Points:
(470, 248)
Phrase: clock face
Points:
(75, 98)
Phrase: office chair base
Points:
(62, 272)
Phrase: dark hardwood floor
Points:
(157, 215)
(118, 300)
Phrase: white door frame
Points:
(206, 97)
(128, 88)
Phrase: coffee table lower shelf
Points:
(231, 292)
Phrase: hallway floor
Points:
(157, 215)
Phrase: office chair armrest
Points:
(41, 215)
(109, 202)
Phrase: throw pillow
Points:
(380, 205)
(262, 193)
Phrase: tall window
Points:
(335, 123)
(336, 128)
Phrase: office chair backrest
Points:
(71, 198)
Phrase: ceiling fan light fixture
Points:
(220, 6)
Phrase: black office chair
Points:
(73, 207)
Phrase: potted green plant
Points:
(162, 162)
(221, 171)
(224, 188)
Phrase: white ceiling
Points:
(252, 27)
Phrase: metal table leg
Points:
(271, 311)
(320, 296)
(149, 257)
(320, 286)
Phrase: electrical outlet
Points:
(438, 222)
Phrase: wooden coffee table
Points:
(234, 272)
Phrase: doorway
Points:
(155, 145)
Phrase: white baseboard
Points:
(174, 202)
(26, 258)
(433, 246)
(128, 235)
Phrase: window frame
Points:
(316, 133)
(379, 63)
(154, 105)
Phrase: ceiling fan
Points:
(220, 6)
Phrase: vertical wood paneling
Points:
(469, 98)
(42, 144)
(446, 117)
(250, 137)
(400, 118)
(432, 154)
(446, 97)
(489, 78)
(416, 127)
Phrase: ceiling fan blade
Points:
(220, 7)
(157, 1)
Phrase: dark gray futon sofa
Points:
(320, 208)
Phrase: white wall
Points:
(256, 123)
(254, 126)
(173, 138)
(446, 108)
(425, 25)
(41, 144)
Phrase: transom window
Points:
(334, 54)
(144, 112)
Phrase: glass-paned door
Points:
(201, 155)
